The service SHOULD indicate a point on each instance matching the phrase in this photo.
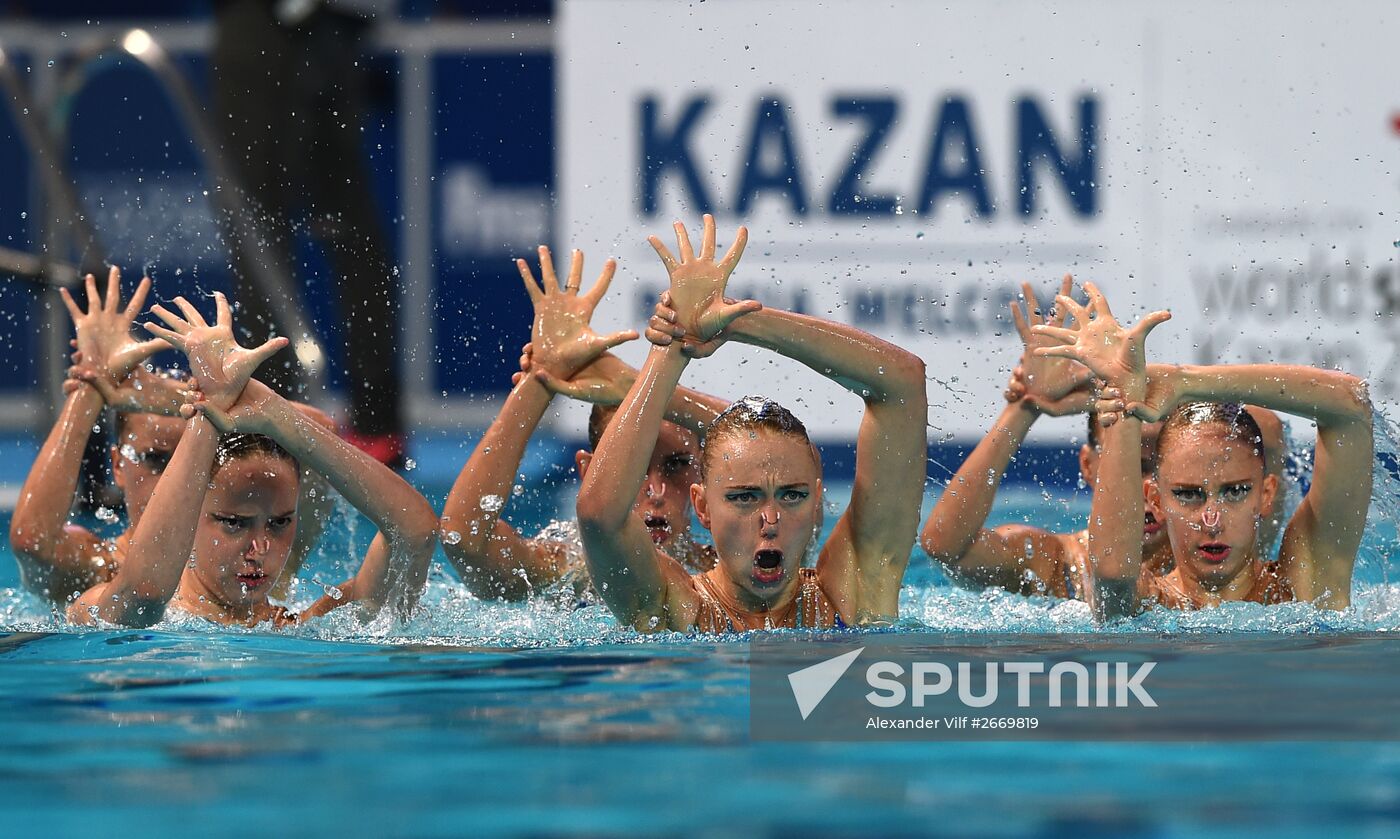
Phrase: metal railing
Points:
(67, 229)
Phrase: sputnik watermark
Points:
(1109, 684)
(908, 685)
(810, 685)
(890, 692)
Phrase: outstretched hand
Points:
(1115, 355)
(1051, 385)
(696, 296)
(220, 366)
(104, 330)
(561, 338)
(605, 381)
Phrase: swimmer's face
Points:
(761, 500)
(1153, 534)
(143, 450)
(664, 501)
(245, 530)
(1211, 492)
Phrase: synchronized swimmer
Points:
(224, 481)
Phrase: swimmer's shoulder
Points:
(101, 559)
(1054, 564)
(68, 568)
(705, 559)
(1165, 590)
(1271, 586)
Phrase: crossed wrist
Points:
(1133, 388)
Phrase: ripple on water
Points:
(449, 616)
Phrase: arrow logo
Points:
(810, 685)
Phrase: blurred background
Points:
(902, 168)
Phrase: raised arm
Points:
(607, 381)
(56, 559)
(642, 586)
(1117, 356)
(870, 545)
(145, 392)
(954, 535)
(1321, 540)
(162, 540)
(862, 564)
(395, 567)
(491, 558)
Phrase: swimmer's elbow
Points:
(25, 538)
(417, 533)
(1359, 403)
(599, 514)
(904, 378)
(939, 548)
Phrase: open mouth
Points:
(252, 579)
(768, 566)
(659, 527)
(1213, 552)
(1150, 526)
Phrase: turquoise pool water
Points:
(483, 718)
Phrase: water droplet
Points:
(452, 537)
(492, 503)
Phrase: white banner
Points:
(904, 166)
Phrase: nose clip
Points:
(260, 547)
(763, 517)
(653, 492)
(1210, 517)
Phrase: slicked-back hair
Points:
(747, 416)
(240, 446)
(1231, 417)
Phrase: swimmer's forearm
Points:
(143, 393)
(1115, 519)
(963, 507)
(163, 539)
(1328, 396)
(399, 556)
(626, 567)
(694, 410)
(47, 495)
(396, 508)
(688, 408)
(615, 474)
(490, 471)
(877, 370)
(314, 507)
